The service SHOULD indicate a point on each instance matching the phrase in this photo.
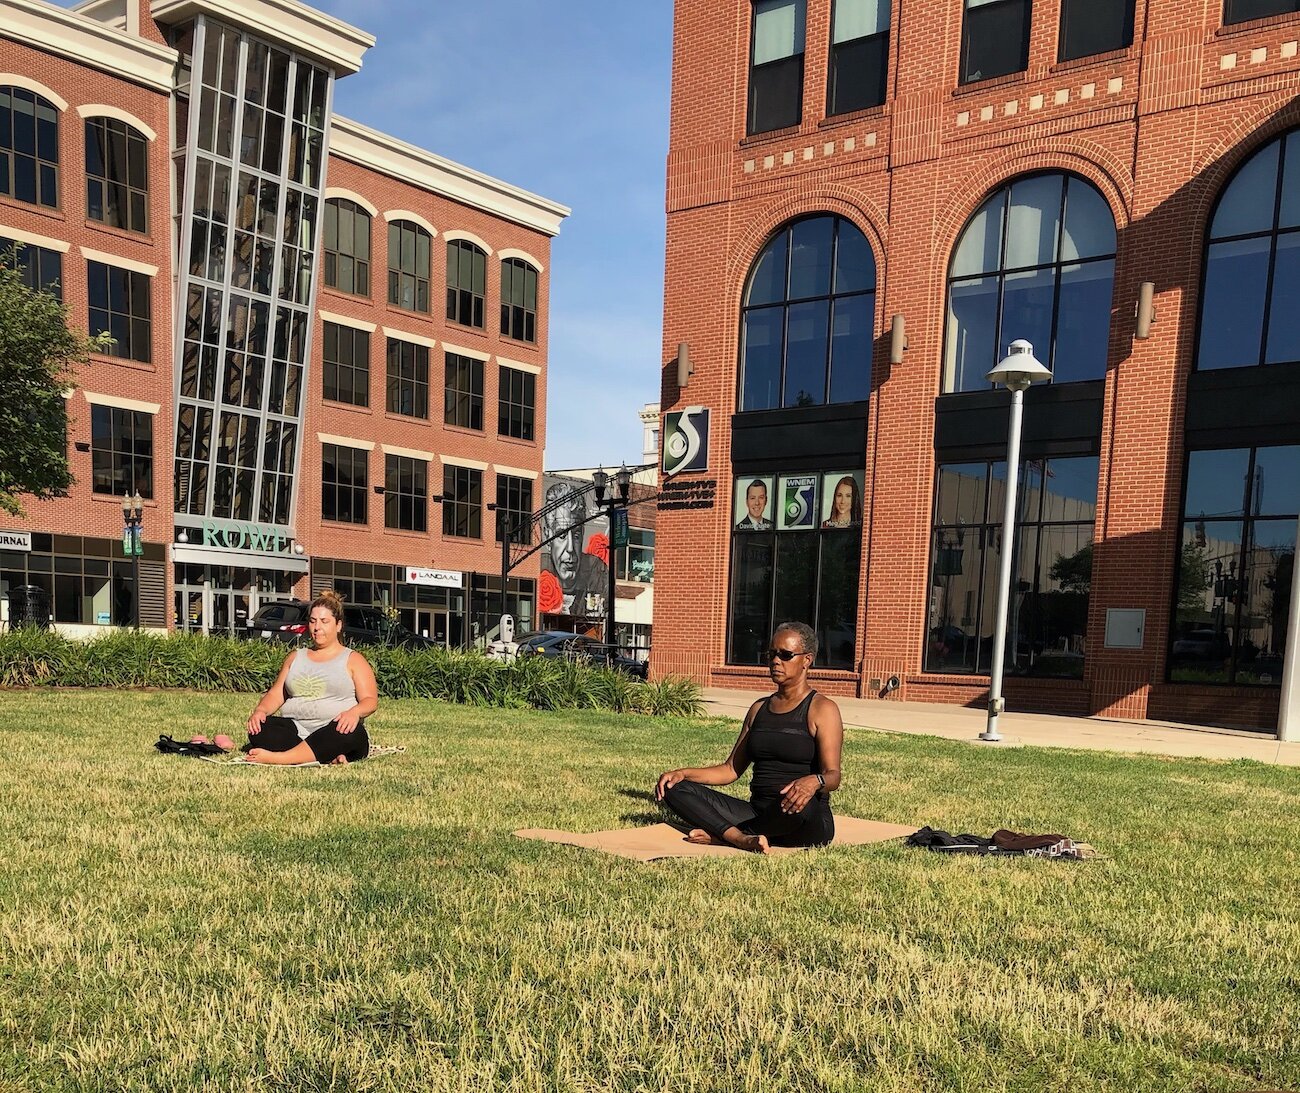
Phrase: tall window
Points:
(29, 147)
(1235, 566)
(466, 283)
(516, 396)
(408, 265)
(462, 501)
(347, 248)
(464, 392)
(518, 300)
(636, 561)
(1252, 263)
(117, 174)
(1036, 261)
(776, 65)
(408, 378)
(346, 357)
(119, 304)
(121, 451)
(1089, 27)
(806, 326)
(406, 493)
(796, 552)
(41, 268)
(345, 482)
(515, 500)
(859, 55)
(994, 38)
(1051, 568)
(1240, 11)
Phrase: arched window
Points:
(518, 300)
(466, 283)
(29, 147)
(347, 247)
(1252, 263)
(806, 323)
(1036, 261)
(117, 174)
(408, 265)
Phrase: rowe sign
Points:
(235, 535)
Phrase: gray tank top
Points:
(317, 692)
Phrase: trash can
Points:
(29, 605)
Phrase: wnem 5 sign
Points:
(686, 440)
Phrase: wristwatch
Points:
(821, 782)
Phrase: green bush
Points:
(125, 658)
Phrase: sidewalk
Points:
(1039, 730)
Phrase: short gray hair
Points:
(806, 636)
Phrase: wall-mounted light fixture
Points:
(897, 339)
(1144, 312)
(298, 548)
(684, 367)
(182, 536)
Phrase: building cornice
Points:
(377, 151)
(70, 34)
(304, 29)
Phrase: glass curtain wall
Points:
(252, 137)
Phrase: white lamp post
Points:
(1016, 371)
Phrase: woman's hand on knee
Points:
(347, 721)
(667, 780)
(255, 722)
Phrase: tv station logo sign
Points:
(686, 441)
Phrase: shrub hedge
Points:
(125, 658)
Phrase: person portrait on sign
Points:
(755, 518)
(846, 505)
(582, 577)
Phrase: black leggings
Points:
(706, 808)
(327, 744)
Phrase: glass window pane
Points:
(956, 566)
(1232, 307)
(995, 38)
(961, 494)
(811, 244)
(855, 265)
(1089, 227)
(980, 248)
(1290, 213)
(858, 18)
(1053, 611)
(1083, 322)
(1276, 489)
(751, 605)
(767, 282)
(795, 595)
(1200, 648)
(778, 29)
(1265, 593)
(1027, 303)
(1089, 27)
(1216, 483)
(1247, 204)
(1035, 209)
(1070, 492)
(1283, 315)
(972, 333)
(805, 354)
(851, 343)
(838, 600)
(761, 341)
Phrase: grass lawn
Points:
(171, 924)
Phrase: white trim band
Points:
(118, 261)
(350, 195)
(406, 336)
(514, 472)
(34, 240)
(520, 366)
(474, 354)
(523, 255)
(458, 461)
(28, 84)
(346, 442)
(469, 237)
(101, 111)
(415, 218)
(346, 320)
(410, 453)
(118, 403)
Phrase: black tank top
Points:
(781, 749)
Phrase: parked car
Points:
(561, 643)
(286, 621)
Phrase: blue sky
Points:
(569, 100)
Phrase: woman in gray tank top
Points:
(315, 709)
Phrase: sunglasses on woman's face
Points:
(784, 654)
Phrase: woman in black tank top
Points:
(793, 739)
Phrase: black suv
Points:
(286, 620)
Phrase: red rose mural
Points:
(598, 545)
(550, 597)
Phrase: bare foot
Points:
(702, 838)
(259, 755)
(755, 844)
(339, 761)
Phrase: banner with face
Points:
(753, 503)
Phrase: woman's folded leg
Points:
(329, 745)
(706, 808)
(813, 826)
(278, 734)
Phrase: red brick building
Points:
(986, 170)
(290, 292)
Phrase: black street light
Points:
(133, 521)
(613, 504)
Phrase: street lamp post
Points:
(1016, 371)
(623, 484)
(133, 521)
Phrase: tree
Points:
(37, 356)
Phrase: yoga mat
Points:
(664, 841)
(377, 751)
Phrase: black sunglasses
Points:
(784, 654)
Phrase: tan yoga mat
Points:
(663, 841)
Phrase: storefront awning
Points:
(196, 555)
